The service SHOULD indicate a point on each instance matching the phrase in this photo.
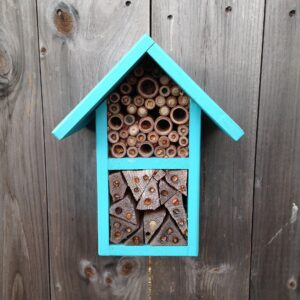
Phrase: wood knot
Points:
(65, 19)
(88, 271)
(292, 284)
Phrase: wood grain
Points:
(276, 235)
(219, 45)
(24, 272)
(81, 41)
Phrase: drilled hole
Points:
(170, 17)
(128, 3)
(228, 9)
(292, 13)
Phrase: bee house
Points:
(147, 112)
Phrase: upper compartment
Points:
(148, 115)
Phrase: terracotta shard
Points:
(125, 209)
(158, 174)
(137, 181)
(120, 230)
(168, 235)
(152, 221)
(117, 186)
(165, 192)
(137, 238)
(178, 179)
(150, 197)
(176, 209)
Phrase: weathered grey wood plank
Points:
(276, 233)
(81, 41)
(24, 272)
(219, 44)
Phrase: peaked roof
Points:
(81, 115)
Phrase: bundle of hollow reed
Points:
(148, 207)
(148, 115)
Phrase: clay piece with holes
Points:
(137, 181)
(176, 209)
(178, 180)
(125, 209)
(150, 197)
(120, 229)
(168, 235)
(145, 198)
(165, 191)
(137, 238)
(152, 221)
(117, 186)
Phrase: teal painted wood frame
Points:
(84, 111)
(105, 164)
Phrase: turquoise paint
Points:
(192, 164)
(81, 114)
(212, 109)
(77, 118)
(102, 178)
(147, 163)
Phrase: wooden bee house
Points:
(148, 126)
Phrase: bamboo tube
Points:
(163, 125)
(142, 111)
(126, 100)
(164, 142)
(129, 120)
(150, 104)
(152, 137)
(147, 87)
(164, 91)
(113, 137)
(132, 80)
(171, 151)
(182, 151)
(114, 97)
(164, 80)
(114, 108)
(179, 115)
(175, 90)
(173, 136)
(160, 101)
(138, 100)
(138, 71)
(118, 150)
(164, 111)
(171, 101)
(123, 141)
(156, 73)
(133, 130)
(183, 100)
(124, 134)
(183, 130)
(115, 122)
(131, 109)
(141, 137)
(125, 88)
(146, 149)
(146, 124)
(183, 141)
(159, 152)
(131, 141)
(132, 152)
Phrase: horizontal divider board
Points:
(147, 163)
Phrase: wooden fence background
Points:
(245, 54)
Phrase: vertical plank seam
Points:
(256, 145)
(150, 17)
(45, 163)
